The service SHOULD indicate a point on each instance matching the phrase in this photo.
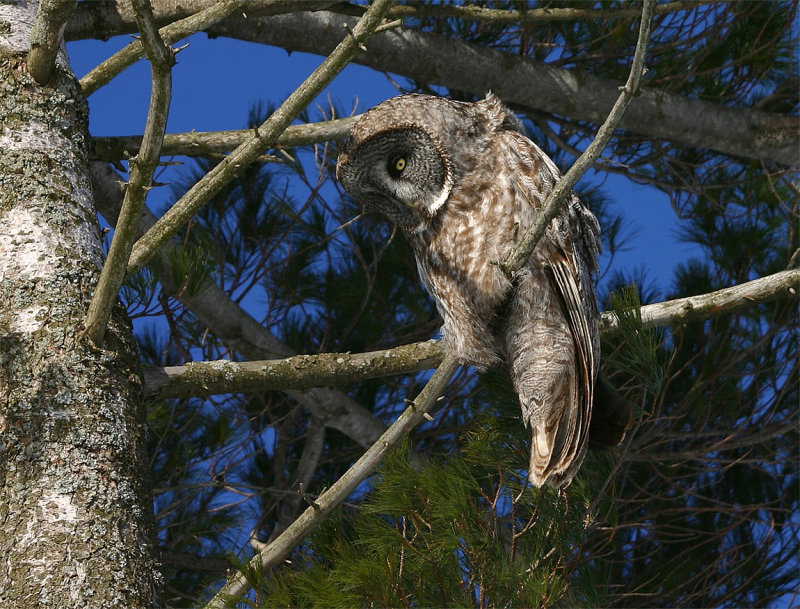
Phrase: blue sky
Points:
(216, 82)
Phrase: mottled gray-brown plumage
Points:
(464, 184)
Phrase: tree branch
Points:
(102, 20)
(161, 58)
(521, 17)
(237, 329)
(727, 300)
(46, 36)
(271, 556)
(202, 379)
(303, 473)
(262, 137)
(111, 67)
(526, 83)
(105, 20)
(207, 143)
(520, 254)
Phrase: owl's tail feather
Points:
(612, 416)
(557, 447)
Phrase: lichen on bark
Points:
(76, 523)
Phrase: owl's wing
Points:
(570, 440)
(551, 349)
(550, 344)
(553, 341)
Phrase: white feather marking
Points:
(443, 195)
(542, 445)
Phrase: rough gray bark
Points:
(106, 19)
(76, 522)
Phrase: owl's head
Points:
(404, 156)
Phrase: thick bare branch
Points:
(220, 142)
(94, 20)
(519, 81)
(262, 137)
(46, 36)
(202, 379)
(525, 83)
(105, 19)
(522, 17)
(161, 59)
(206, 378)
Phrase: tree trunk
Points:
(76, 523)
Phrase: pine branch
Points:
(161, 58)
(202, 379)
(114, 65)
(274, 553)
(46, 36)
(562, 191)
(262, 138)
(237, 329)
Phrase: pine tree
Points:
(697, 507)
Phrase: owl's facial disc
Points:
(400, 172)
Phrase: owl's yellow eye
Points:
(396, 166)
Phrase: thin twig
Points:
(563, 188)
(161, 59)
(271, 556)
(202, 379)
(261, 138)
(303, 473)
(114, 65)
(46, 36)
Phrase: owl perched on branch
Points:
(464, 184)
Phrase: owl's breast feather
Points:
(456, 258)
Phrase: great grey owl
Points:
(464, 183)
